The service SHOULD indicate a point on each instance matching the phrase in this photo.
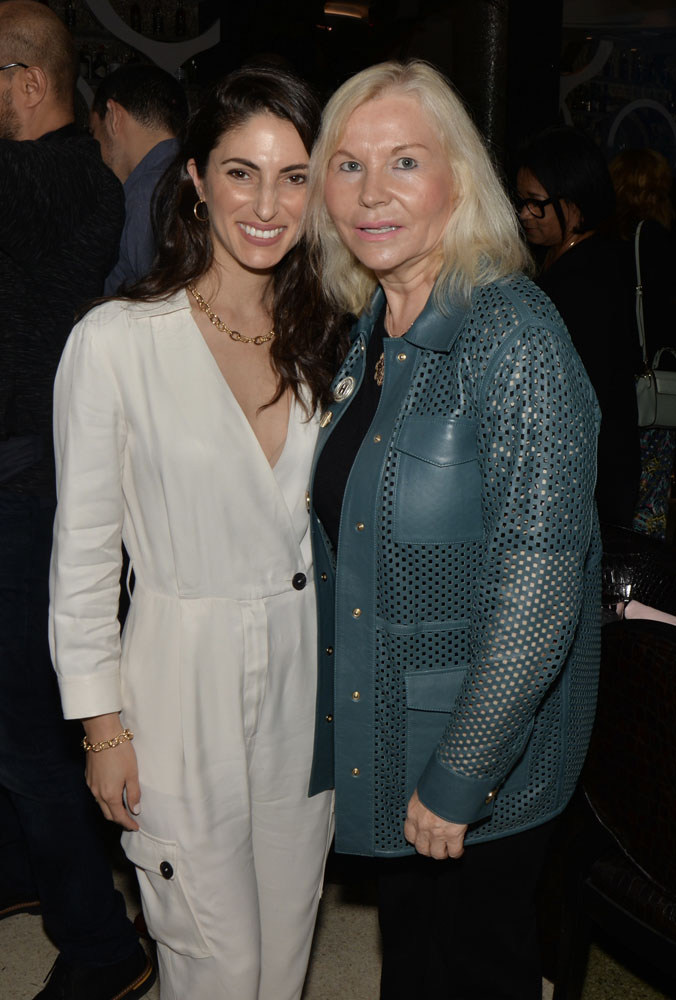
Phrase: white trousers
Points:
(231, 858)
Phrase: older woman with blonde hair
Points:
(455, 540)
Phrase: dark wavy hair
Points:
(571, 167)
(152, 96)
(311, 336)
(643, 183)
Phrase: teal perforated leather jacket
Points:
(459, 621)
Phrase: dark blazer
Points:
(61, 214)
(594, 292)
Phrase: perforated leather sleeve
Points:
(537, 441)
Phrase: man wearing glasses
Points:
(61, 213)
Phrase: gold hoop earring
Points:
(196, 210)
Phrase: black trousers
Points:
(463, 929)
(50, 828)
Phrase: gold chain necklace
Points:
(223, 327)
(379, 372)
(572, 242)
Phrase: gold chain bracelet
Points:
(125, 736)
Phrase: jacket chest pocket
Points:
(437, 491)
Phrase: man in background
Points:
(136, 115)
(61, 214)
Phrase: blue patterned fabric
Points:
(658, 447)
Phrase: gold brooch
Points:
(379, 373)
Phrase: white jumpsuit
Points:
(216, 672)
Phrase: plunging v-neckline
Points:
(216, 368)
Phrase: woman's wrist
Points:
(126, 736)
(102, 727)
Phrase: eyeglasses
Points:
(536, 206)
(12, 65)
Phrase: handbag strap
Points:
(658, 356)
(640, 323)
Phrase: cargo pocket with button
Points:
(169, 915)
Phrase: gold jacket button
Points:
(356, 613)
(307, 501)
(401, 357)
(326, 418)
(329, 650)
(328, 718)
(377, 438)
(356, 696)
(359, 525)
(323, 577)
(491, 795)
(355, 772)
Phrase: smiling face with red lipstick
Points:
(254, 189)
(389, 189)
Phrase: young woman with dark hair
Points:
(566, 201)
(310, 337)
(185, 420)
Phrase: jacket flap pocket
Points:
(168, 896)
(433, 690)
(150, 853)
(439, 442)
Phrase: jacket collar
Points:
(433, 330)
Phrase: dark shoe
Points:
(10, 908)
(123, 981)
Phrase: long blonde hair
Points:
(482, 242)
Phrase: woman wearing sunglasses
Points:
(564, 199)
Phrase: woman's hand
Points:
(431, 835)
(112, 772)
